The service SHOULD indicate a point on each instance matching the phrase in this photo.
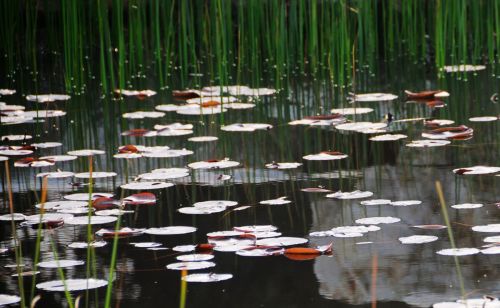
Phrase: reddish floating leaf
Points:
(105, 203)
(144, 198)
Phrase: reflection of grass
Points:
(17, 243)
(450, 236)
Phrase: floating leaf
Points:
(467, 206)
(214, 164)
(275, 165)
(427, 143)
(171, 230)
(326, 155)
(13, 216)
(461, 132)
(430, 227)
(483, 119)
(86, 152)
(6, 299)
(474, 170)
(144, 198)
(357, 194)
(426, 94)
(123, 232)
(58, 158)
(316, 190)
(55, 175)
(47, 98)
(91, 220)
(256, 228)
(257, 251)
(351, 111)
(277, 201)
(188, 266)
(246, 127)
(60, 263)
(85, 245)
(281, 241)
(143, 115)
(388, 137)
(376, 202)
(361, 127)
(203, 139)
(206, 277)
(72, 285)
(418, 239)
(406, 203)
(146, 185)
(195, 257)
(377, 220)
(458, 251)
(373, 97)
(494, 228)
(95, 175)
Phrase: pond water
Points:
(373, 266)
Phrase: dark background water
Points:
(408, 275)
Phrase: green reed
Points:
(256, 39)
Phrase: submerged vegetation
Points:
(326, 149)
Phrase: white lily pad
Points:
(474, 170)
(418, 239)
(277, 201)
(94, 220)
(171, 230)
(352, 111)
(6, 299)
(490, 228)
(388, 137)
(190, 265)
(324, 156)
(203, 139)
(95, 175)
(85, 196)
(206, 277)
(216, 164)
(195, 257)
(281, 241)
(246, 127)
(377, 220)
(72, 285)
(458, 251)
(406, 202)
(60, 263)
(483, 119)
(467, 206)
(357, 194)
(427, 143)
(374, 97)
(146, 185)
(85, 245)
(376, 202)
(256, 228)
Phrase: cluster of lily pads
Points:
(245, 241)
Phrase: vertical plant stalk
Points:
(182, 301)
(17, 244)
(43, 199)
(374, 280)
(114, 253)
(450, 236)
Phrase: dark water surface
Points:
(407, 275)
